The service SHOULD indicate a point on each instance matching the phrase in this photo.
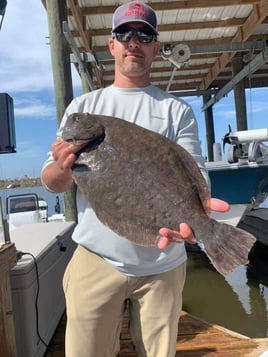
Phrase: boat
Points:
(241, 179)
(256, 223)
(28, 208)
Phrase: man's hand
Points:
(57, 176)
(185, 233)
(64, 153)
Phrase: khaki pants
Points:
(95, 298)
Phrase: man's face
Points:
(133, 58)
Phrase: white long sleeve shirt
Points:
(155, 110)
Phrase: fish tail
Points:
(226, 246)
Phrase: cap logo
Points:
(135, 9)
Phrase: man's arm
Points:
(57, 174)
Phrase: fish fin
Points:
(227, 247)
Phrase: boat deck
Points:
(256, 223)
(196, 338)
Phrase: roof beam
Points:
(250, 68)
(254, 83)
(77, 54)
(172, 5)
(78, 17)
(259, 13)
(228, 47)
(103, 54)
(180, 77)
(179, 26)
(218, 51)
(191, 93)
(208, 43)
(83, 33)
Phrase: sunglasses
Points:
(144, 35)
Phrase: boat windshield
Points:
(23, 204)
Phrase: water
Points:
(238, 302)
(40, 191)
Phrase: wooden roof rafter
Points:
(208, 27)
(172, 5)
(259, 13)
(84, 34)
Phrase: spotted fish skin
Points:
(138, 181)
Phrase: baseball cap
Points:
(134, 11)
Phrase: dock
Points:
(196, 338)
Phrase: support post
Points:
(239, 93)
(210, 135)
(61, 67)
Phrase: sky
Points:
(26, 75)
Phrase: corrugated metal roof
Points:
(203, 23)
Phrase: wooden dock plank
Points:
(196, 338)
(200, 338)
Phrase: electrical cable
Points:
(19, 255)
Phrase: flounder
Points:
(138, 181)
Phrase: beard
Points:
(132, 68)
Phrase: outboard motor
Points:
(245, 144)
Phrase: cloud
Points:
(36, 111)
(34, 107)
(25, 55)
(25, 61)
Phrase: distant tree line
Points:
(22, 182)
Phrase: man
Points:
(106, 269)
